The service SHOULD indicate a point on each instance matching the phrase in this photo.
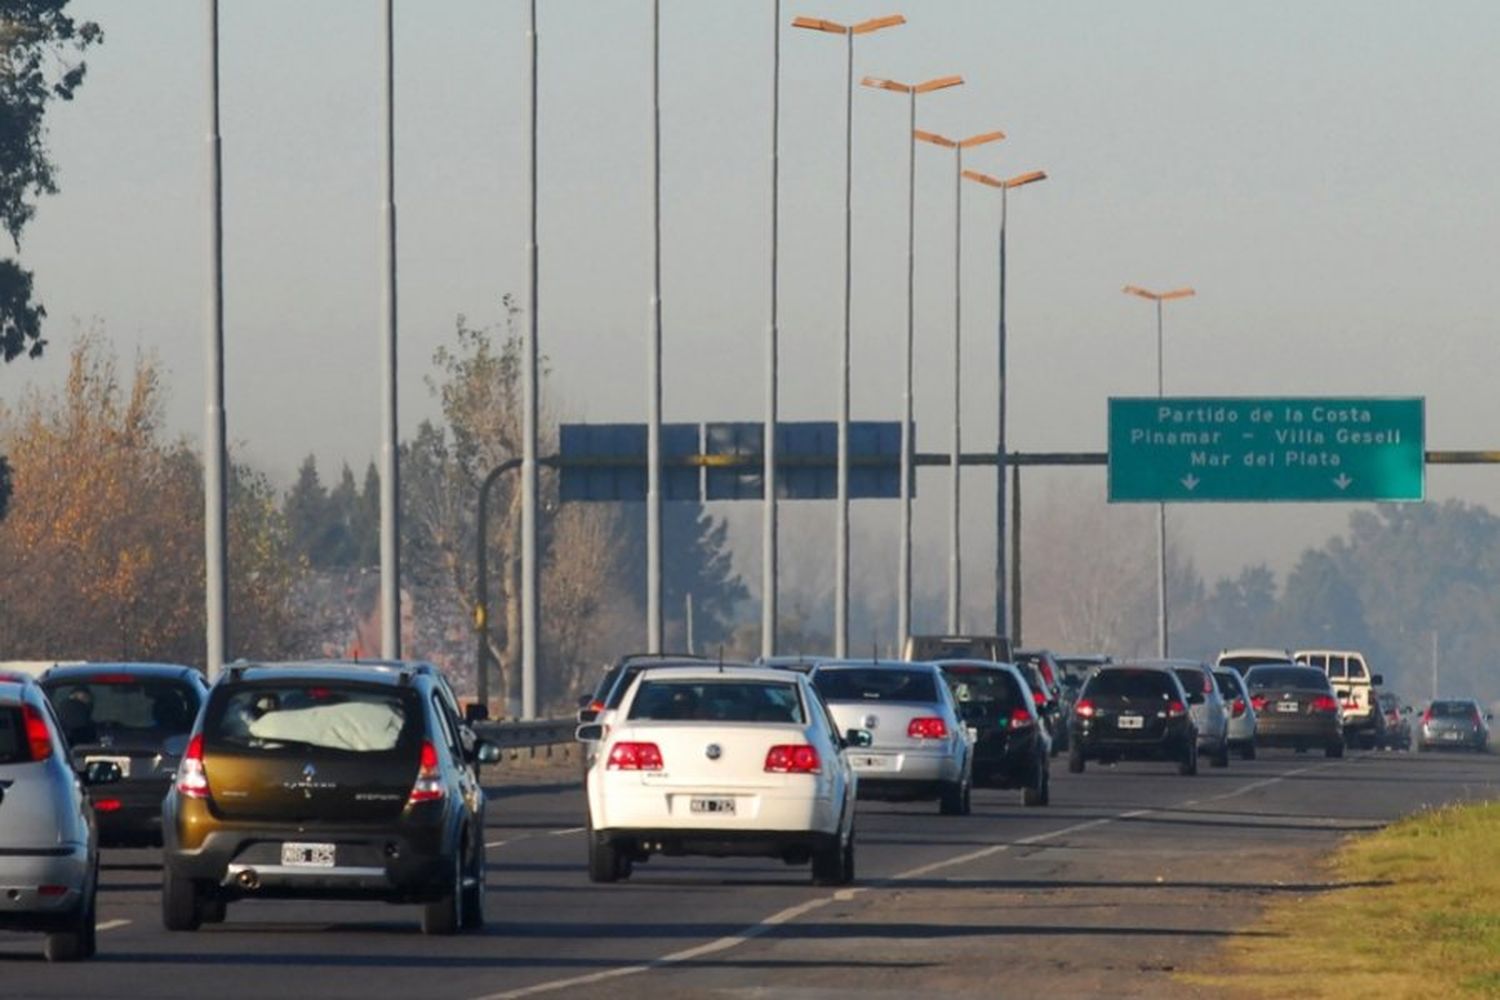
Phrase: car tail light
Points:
(1019, 718)
(597, 705)
(1259, 702)
(1427, 716)
(107, 805)
(1047, 674)
(51, 890)
(192, 779)
(1084, 709)
(429, 784)
(1238, 707)
(1039, 698)
(1324, 703)
(111, 679)
(792, 759)
(1351, 704)
(927, 727)
(635, 757)
(37, 734)
(1176, 709)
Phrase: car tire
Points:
(1221, 756)
(951, 799)
(181, 901)
(605, 860)
(1076, 762)
(847, 874)
(1247, 752)
(474, 889)
(1334, 750)
(828, 863)
(1188, 766)
(444, 916)
(76, 941)
(1035, 794)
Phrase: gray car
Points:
(1454, 724)
(50, 864)
(1242, 719)
(1206, 706)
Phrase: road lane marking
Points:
(492, 844)
(110, 925)
(571, 829)
(756, 930)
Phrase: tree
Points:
(40, 62)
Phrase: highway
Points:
(1131, 874)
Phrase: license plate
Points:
(721, 807)
(1131, 722)
(1287, 706)
(123, 763)
(873, 762)
(294, 855)
(1451, 736)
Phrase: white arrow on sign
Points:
(1343, 481)
(1190, 481)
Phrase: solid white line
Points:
(109, 925)
(846, 895)
(496, 843)
(571, 829)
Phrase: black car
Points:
(326, 780)
(136, 716)
(1011, 743)
(1133, 712)
(1042, 677)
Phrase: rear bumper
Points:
(909, 769)
(138, 816)
(796, 845)
(1460, 740)
(1274, 731)
(22, 874)
(637, 807)
(1170, 745)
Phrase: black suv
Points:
(327, 780)
(1133, 712)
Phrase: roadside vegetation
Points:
(1420, 917)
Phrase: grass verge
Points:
(1415, 911)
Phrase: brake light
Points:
(37, 734)
(1084, 709)
(110, 679)
(1427, 715)
(107, 805)
(1259, 702)
(1351, 703)
(1019, 718)
(192, 779)
(927, 728)
(1039, 698)
(792, 759)
(429, 784)
(1325, 703)
(1047, 674)
(635, 757)
(51, 890)
(1176, 709)
(597, 705)
(1238, 707)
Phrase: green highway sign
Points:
(1276, 448)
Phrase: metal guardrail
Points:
(535, 733)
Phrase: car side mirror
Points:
(592, 732)
(476, 712)
(486, 752)
(1377, 680)
(586, 715)
(859, 738)
(101, 772)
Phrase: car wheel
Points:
(1188, 766)
(828, 863)
(1076, 762)
(847, 875)
(1247, 752)
(444, 915)
(1035, 793)
(1334, 750)
(474, 889)
(1221, 757)
(605, 860)
(951, 799)
(76, 941)
(181, 901)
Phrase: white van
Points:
(1354, 685)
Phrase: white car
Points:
(1242, 718)
(721, 762)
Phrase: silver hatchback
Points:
(49, 869)
(1206, 706)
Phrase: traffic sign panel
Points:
(1266, 449)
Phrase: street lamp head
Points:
(876, 23)
(1021, 180)
(981, 139)
(819, 24)
(938, 83)
(986, 179)
(879, 84)
(1176, 293)
(935, 139)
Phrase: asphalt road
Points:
(1132, 873)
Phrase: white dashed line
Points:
(110, 925)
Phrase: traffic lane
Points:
(1116, 908)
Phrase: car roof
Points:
(713, 671)
(825, 664)
(966, 662)
(1171, 663)
(1265, 651)
(380, 671)
(1316, 651)
(78, 671)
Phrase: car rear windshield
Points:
(1243, 663)
(1229, 687)
(295, 716)
(717, 701)
(1454, 709)
(1264, 678)
(876, 684)
(122, 705)
(1116, 683)
(991, 688)
(14, 748)
(1193, 681)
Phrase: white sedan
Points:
(721, 762)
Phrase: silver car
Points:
(1242, 721)
(919, 747)
(1206, 706)
(50, 865)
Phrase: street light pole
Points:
(390, 493)
(215, 505)
(653, 362)
(768, 434)
(482, 576)
(841, 555)
(908, 446)
(1001, 454)
(955, 467)
(1162, 642)
(530, 397)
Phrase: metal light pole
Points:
(841, 557)
(1001, 454)
(653, 361)
(955, 467)
(908, 446)
(482, 576)
(768, 435)
(390, 513)
(1162, 644)
(530, 393)
(215, 506)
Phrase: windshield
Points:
(994, 688)
(1229, 686)
(1193, 680)
(876, 684)
(1130, 684)
(1454, 709)
(123, 706)
(312, 714)
(1265, 678)
(717, 701)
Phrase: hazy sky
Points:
(1323, 173)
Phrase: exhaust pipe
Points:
(248, 879)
